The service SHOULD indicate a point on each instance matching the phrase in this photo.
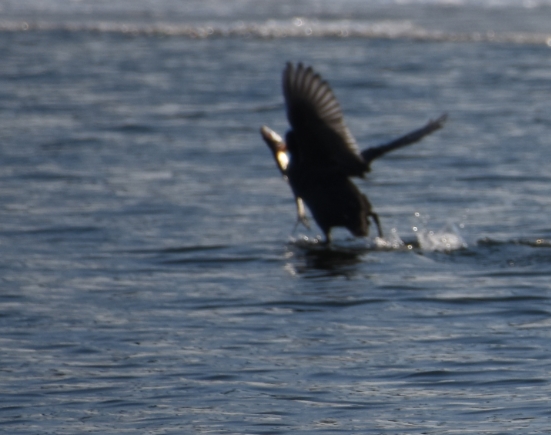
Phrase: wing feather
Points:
(316, 118)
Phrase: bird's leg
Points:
(375, 217)
(327, 234)
(301, 213)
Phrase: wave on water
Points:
(532, 243)
(291, 28)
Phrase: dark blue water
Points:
(151, 279)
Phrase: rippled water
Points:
(152, 281)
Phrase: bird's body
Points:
(323, 154)
(332, 198)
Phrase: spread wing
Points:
(321, 136)
(373, 153)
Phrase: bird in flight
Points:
(319, 154)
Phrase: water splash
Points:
(443, 240)
(390, 242)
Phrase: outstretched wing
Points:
(322, 138)
(373, 153)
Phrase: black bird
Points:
(319, 154)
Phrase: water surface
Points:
(152, 281)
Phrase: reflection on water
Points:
(333, 261)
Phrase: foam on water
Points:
(297, 27)
(504, 21)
